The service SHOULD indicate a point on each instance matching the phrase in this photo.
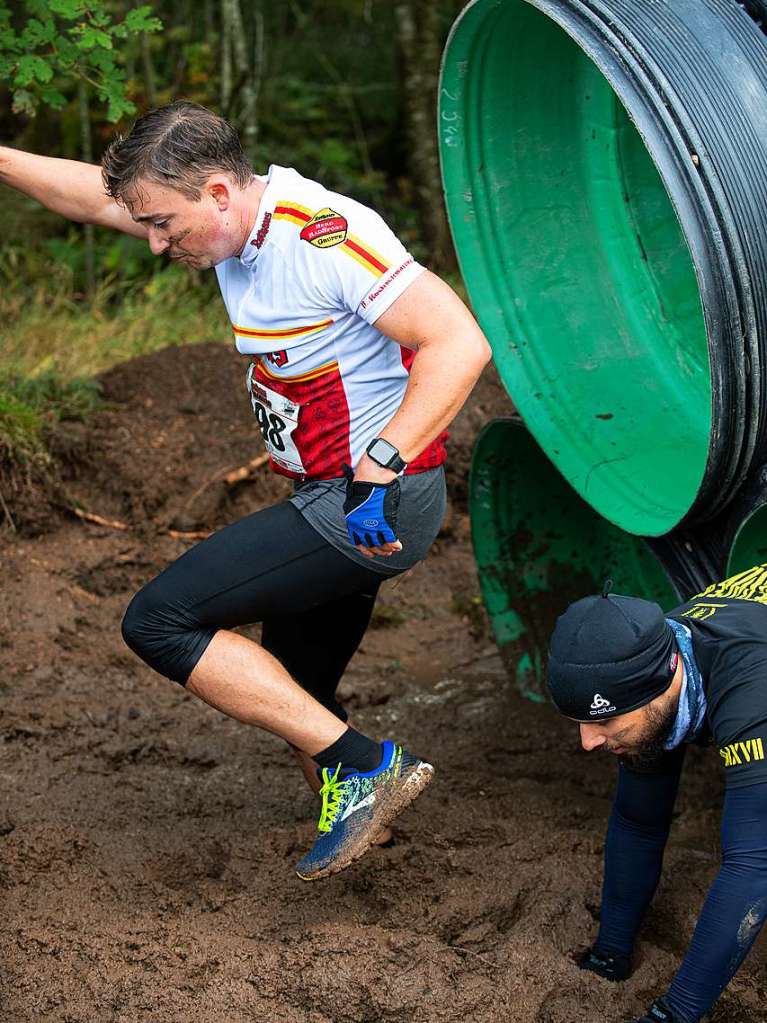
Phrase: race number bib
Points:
(277, 418)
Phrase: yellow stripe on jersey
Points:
(320, 371)
(353, 246)
(282, 334)
(293, 212)
(365, 255)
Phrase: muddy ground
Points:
(147, 843)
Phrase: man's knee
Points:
(163, 634)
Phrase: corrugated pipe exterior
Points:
(605, 169)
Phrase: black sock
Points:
(353, 750)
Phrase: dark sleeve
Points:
(734, 910)
(636, 838)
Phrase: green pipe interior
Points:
(576, 265)
(749, 547)
(539, 546)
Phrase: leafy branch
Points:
(48, 41)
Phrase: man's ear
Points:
(220, 192)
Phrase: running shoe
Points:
(357, 807)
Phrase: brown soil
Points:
(147, 842)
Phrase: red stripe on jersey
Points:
(277, 334)
(291, 211)
(435, 453)
(367, 256)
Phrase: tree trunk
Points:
(86, 152)
(249, 73)
(419, 36)
(226, 58)
(149, 75)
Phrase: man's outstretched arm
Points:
(636, 839)
(67, 187)
(734, 911)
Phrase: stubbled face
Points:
(639, 735)
(198, 233)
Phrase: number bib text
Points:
(277, 418)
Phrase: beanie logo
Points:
(599, 705)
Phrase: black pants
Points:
(270, 567)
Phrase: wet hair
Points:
(179, 145)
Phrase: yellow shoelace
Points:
(332, 791)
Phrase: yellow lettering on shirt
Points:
(739, 753)
(748, 585)
(701, 611)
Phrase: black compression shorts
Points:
(270, 567)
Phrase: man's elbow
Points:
(481, 353)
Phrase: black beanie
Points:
(609, 655)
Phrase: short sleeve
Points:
(357, 261)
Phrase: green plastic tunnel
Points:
(539, 546)
(576, 264)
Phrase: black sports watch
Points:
(386, 455)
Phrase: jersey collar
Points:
(260, 232)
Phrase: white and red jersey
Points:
(315, 274)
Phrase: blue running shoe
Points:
(357, 807)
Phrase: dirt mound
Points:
(177, 423)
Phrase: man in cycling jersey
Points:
(359, 359)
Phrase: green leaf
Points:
(31, 68)
(67, 51)
(90, 38)
(103, 60)
(8, 39)
(24, 102)
(142, 19)
(69, 9)
(119, 107)
(52, 97)
(37, 34)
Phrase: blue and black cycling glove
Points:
(371, 512)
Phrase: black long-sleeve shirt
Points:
(735, 907)
(728, 623)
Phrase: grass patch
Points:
(49, 331)
(32, 406)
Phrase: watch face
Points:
(382, 451)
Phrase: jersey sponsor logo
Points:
(278, 358)
(701, 611)
(263, 231)
(325, 229)
(392, 277)
(352, 246)
(599, 705)
(738, 753)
